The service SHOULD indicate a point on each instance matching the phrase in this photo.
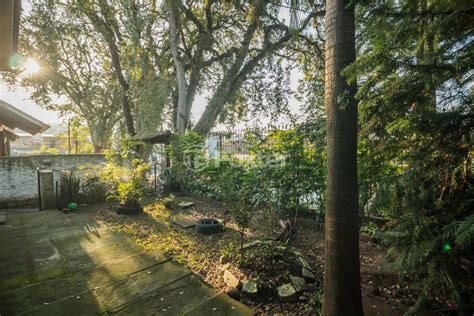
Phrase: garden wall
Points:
(18, 177)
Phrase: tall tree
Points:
(102, 17)
(134, 32)
(342, 294)
(181, 87)
(219, 46)
(417, 117)
(72, 66)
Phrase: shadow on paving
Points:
(51, 263)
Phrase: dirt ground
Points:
(156, 229)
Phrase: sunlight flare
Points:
(31, 67)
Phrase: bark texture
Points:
(100, 131)
(342, 294)
(181, 117)
(241, 67)
(107, 27)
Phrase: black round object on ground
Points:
(129, 210)
(208, 226)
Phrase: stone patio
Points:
(51, 264)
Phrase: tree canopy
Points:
(387, 85)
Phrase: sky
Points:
(20, 98)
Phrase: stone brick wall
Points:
(18, 177)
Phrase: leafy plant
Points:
(231, 251)
(416, 122)
(285, 172)
(131, 192)
(316, 302)
(369, 228)
(93, 188)
(241, 214)
(126, 179)
(44, 150)
(170, 182)
(69, 189)
(169, 201)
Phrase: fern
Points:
(465, 232)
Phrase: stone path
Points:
(55, 264)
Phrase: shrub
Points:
(169, 201)
(69, 189)
(125, 178)
(431, 237)
(131, 192)
(93, 188)
(285, 171)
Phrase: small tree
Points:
(241, 214)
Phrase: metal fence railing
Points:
(238, 143)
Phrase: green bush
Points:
(285, 171)
(93, 188)
(169, 201)
(131, 192)
(125, 178)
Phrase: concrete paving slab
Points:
(34, 261)
(9, 231)
(84, 304)
(31, 220)
(75, 284)
(14, 272)
(139, 284)
(220, 305)
(187, 222)
(171, 299)
(54, 264)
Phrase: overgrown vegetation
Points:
(125, 176)
(417, 119)
(284, 170)
(413, 131)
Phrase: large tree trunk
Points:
(104, 26)
(181, 120)
(124, 85)
(100, 135)
(342, 294)
(238, 71)
(213, 109)
(233, 79)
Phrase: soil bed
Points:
(155, 228)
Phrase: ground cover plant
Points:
(268, 265)
(355, 153)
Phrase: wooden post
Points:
(46, 187)
(2, 144)
(168, 153)
(39, 189)
(69, 137)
